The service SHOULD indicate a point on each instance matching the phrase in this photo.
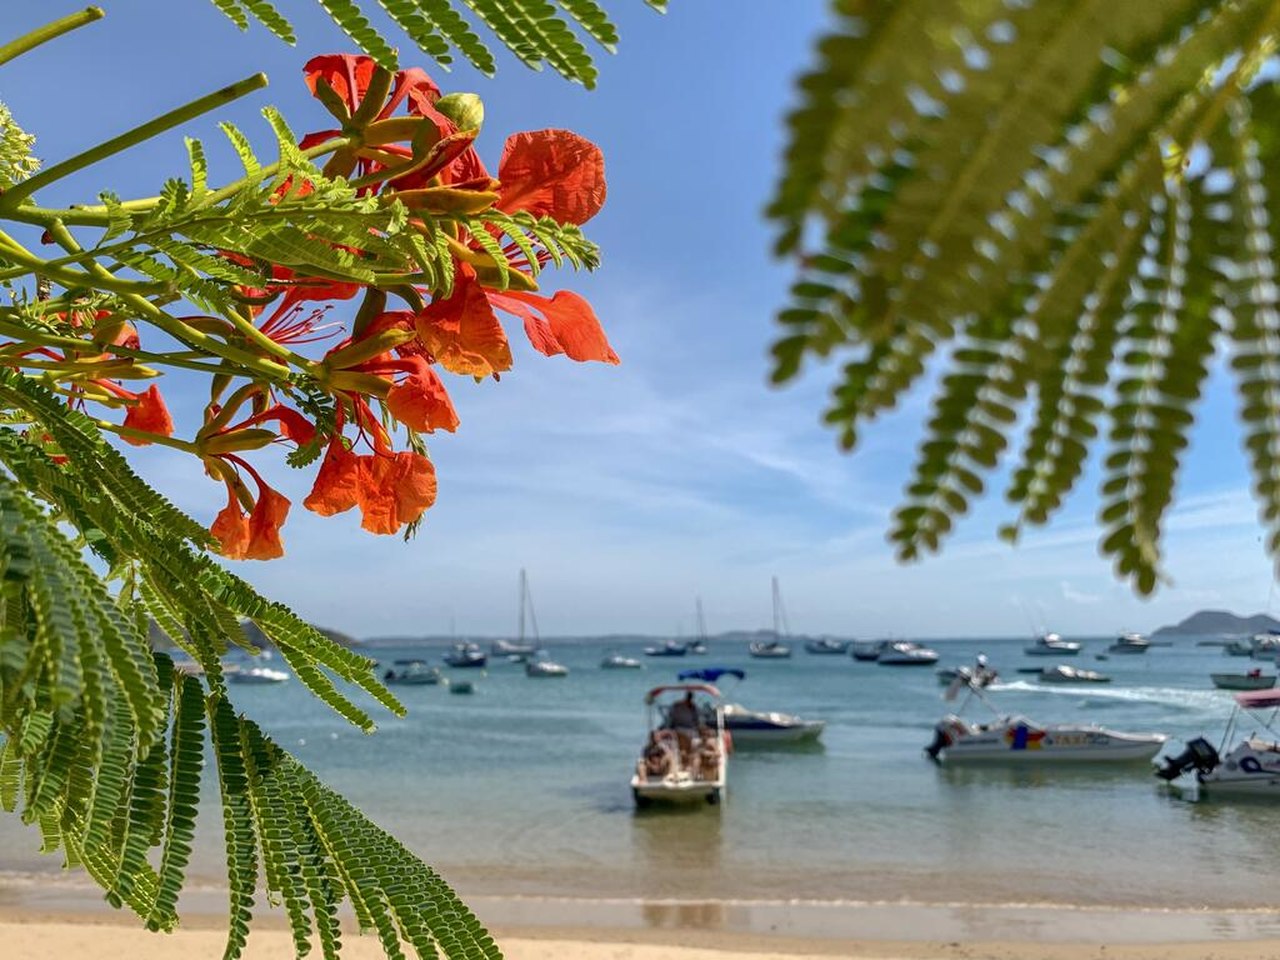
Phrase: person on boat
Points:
(683, 719)
(657, 758)
(708, 755)
(1255, 672)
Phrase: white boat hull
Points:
(677, 789)
(800, 732)
(1251, 769)
(1023, 743)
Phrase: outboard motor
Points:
(941, 740)
(1200, 756)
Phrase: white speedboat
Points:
(1130, 643)
(756, 727)
(417, 673)
(616, 661)
(1052, 645)
(541, 665)
(1014, 739)
(1251, 768)
(1018, 740)
(685, 759)
(904, 653)
(1064, 674)
(239, 674)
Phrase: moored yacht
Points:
(868, 650)
(827, 645)
(541, 665)
(904, 653)
(616, 661)
(415, 673)
(1064, 674)
(669, 649)
(1130, 643)
(466, 655)
(1052, 645)
(756, 727)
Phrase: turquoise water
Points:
(522, 789)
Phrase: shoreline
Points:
(791, 927)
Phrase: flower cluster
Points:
(381, 374)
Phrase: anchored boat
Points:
(1251, 768)
(757, 727)
(685, 759)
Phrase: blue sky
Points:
(628, 490)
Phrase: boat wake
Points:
(1191, 701)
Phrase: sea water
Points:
(521, 789)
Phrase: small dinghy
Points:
(1252, 680)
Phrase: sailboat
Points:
(699, 646)
(773, 649)
(538, 663)
(519, 650)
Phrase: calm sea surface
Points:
(522, 789)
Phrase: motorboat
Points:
(1130, 643)
(1015, 739)
(1250, 680)
(768, 650)
(828, 646)
(416, 673)
(514, 652)
(1064, 674)
(904, 653)
(616, 661)
(1265, 646)
(242, 674)
(773, 649)
(756, 727)
(465, 655)
(868, 650)
(685, 759)
(697, 648)
(1251, 768)
(669, 649)
(541, 665)
(1052, 645)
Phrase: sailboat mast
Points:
(524, 590)
(702, 622)
(776, 632)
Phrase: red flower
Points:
(390, 489)
(552, 173)
(148, 413)
(461, 331)
(256, 537)
(568, 325)
(420, 401)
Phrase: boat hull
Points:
(795, 733)
(1236, 681)
(676, 790)
(1023, 743)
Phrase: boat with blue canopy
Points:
(756, 727)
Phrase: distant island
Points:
(1206, 623)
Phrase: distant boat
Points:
(520, 649)
(773, 649)
(461, 686)
(1253, 680)
(1130, 643)
(616, 661)
(668, 649)
(1064, 674)
(537, 663)
(826, 645)
(757, 727)
(868, 650)
(541, 665)
(904, 653)
(238, 674)
(1052, 645)
(413, 673)
(466, 655)
(698, 646)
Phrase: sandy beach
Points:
(88, 938)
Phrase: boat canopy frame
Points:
(652, 696)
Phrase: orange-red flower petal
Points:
(552, 173)
(231, 529)
(395, 490)
(149, 414)
(337, 486)
(568, 325)
(462, 332)
(420, 402)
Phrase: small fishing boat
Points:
(1250, 769)
(1064, 674)
(1251, 680)
(616, 661)
(1015, 739)
(1130, 643)
(461, 686)
(541, 665)
(685, 759)
(416, 673)
(259, 675)
(466, 655)
(827, 646)
(1052, 645)
(868, 650)
(904, 653)
(669, 649)
(748, 727)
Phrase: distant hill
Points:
(159, 641)
(1207, 623)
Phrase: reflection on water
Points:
(707, 915)
(679, 848)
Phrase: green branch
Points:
(50, 31)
